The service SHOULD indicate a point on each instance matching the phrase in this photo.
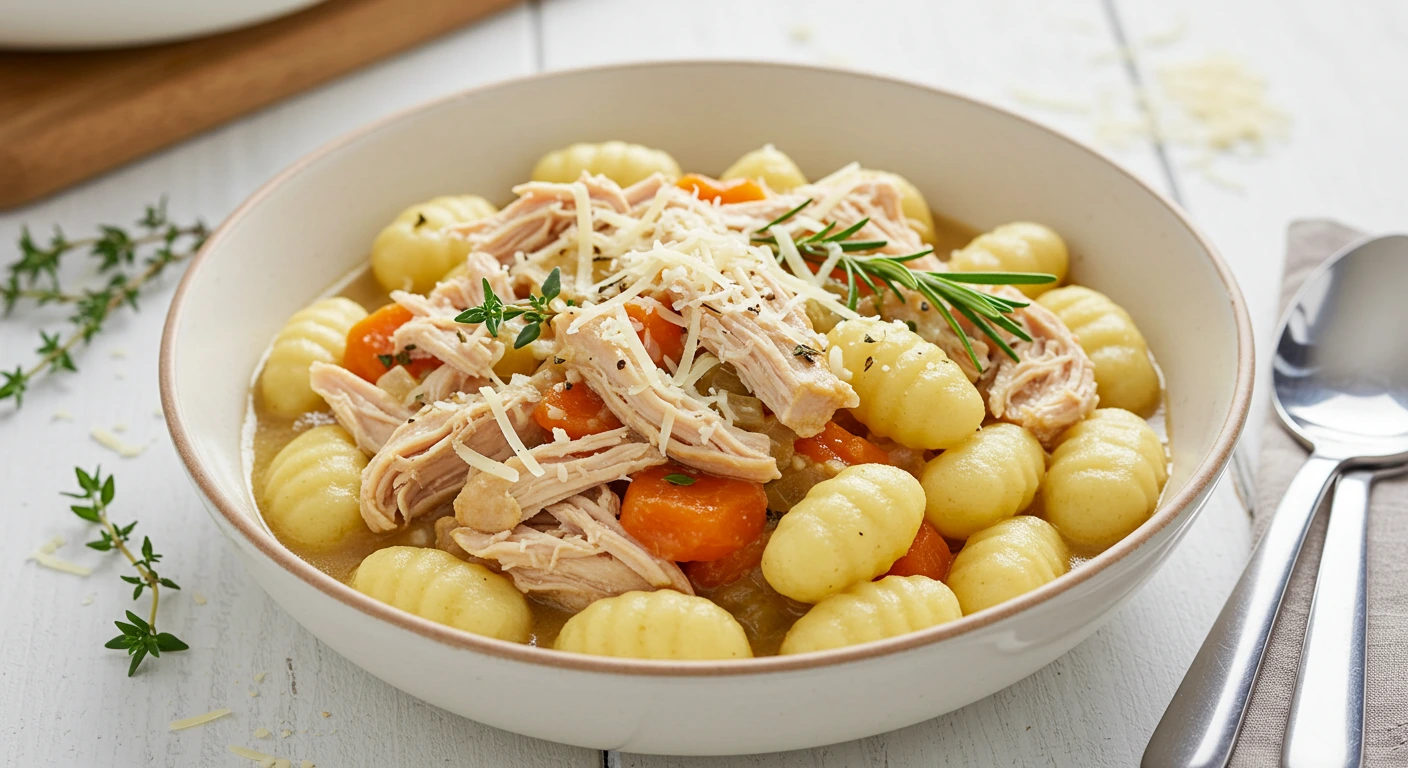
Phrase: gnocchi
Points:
(989, 477)
(655, 625)
(1017, 247)
(891, 369)
(848, 529)
(440, 587)
(419, 247)
(1105, 478)
(873, 610)
(769, 165)
(312, 486)
(316, 333)
(619, 161)
(1124, 374)
(916, 208)
(1007, 560)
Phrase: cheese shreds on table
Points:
(62, 415)
(44, 555)
(1226, 102)
(259, 676)
(116, 444)
(496, 406)
(195, 720)
(262, 733)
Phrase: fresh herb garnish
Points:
(946, 291)
(804, 351)
(139, 637)
(494, 312)
(678, 479)
(35, 277)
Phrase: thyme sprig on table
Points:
(139, 637)
(945, 291)
(123, 269)
(494, 312)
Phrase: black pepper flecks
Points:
(620, 365)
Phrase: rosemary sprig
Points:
(139, 636)
(945, 291)
(494, 312)
(35, 277)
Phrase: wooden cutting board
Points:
(67, 116)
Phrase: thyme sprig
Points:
(945, 291)
(493, 312)
(139, 637)
(35, 277)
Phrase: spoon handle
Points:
(1326, 726)
(1199, 728)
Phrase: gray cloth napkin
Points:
(1308, 244)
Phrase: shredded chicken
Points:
(443, 383)
(418, 471)
(492, 504)
(643, 399)
(433, 332)
(582, 556)
(369, 413)
(1053, 385)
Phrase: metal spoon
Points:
(1340, 382)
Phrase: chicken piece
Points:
(442, 384)
(433, 331)
(418, 471)
(643, 399)
(1052, 386)
(644, 191)
(586, 556)
(770, 341)
(930, 324)
(540, 216)
(369, 413)
(493, 504)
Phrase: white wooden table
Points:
(64, 700)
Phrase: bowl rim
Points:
(1204, 476)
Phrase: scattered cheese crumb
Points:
(327, 714)
(1225, 101)
(253, 694)
(801, 33)
(285, 733)
(262, 733)
(259, 676)
(119, 427)
(199, 598)
(158, 414)
(87, 600)
(1174, 34)
(118, 353)
(1030, 98)
(62, 415)
(116, 445)
(191, 722)
(307, 764)
(44, 555)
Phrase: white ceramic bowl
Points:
(974, 162)
(70, 24)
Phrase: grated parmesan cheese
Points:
(115, 444)
(195, 720)
(584, 237)
(259, 676)
(483, 463)
(62, 415)
(44, 555)
(667, 425)
(496, 406)
(199, 598)
(262, 733)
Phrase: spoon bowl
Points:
(1341, 368)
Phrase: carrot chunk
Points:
(576, 410)
(661, 338)
(707, 574)
(835, 443)
(371, 352)
(929, 555)
(684, 515)
(725, 192)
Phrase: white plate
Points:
(112, 23)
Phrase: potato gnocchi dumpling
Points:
(1007, 560)
(1124, 373)
(873, 610)
(440, 587)
(750, 414)
(655, 625)
(850, 528)
(989, 477)
(619, 161)
(892, 369)
(768, 165)
(316, 333)
(311, 488)
(418, 248)
(1105, 478)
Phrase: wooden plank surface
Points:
(67, 116)
(1334, 69)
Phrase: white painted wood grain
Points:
(64, 701)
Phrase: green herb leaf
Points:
(678, 479)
